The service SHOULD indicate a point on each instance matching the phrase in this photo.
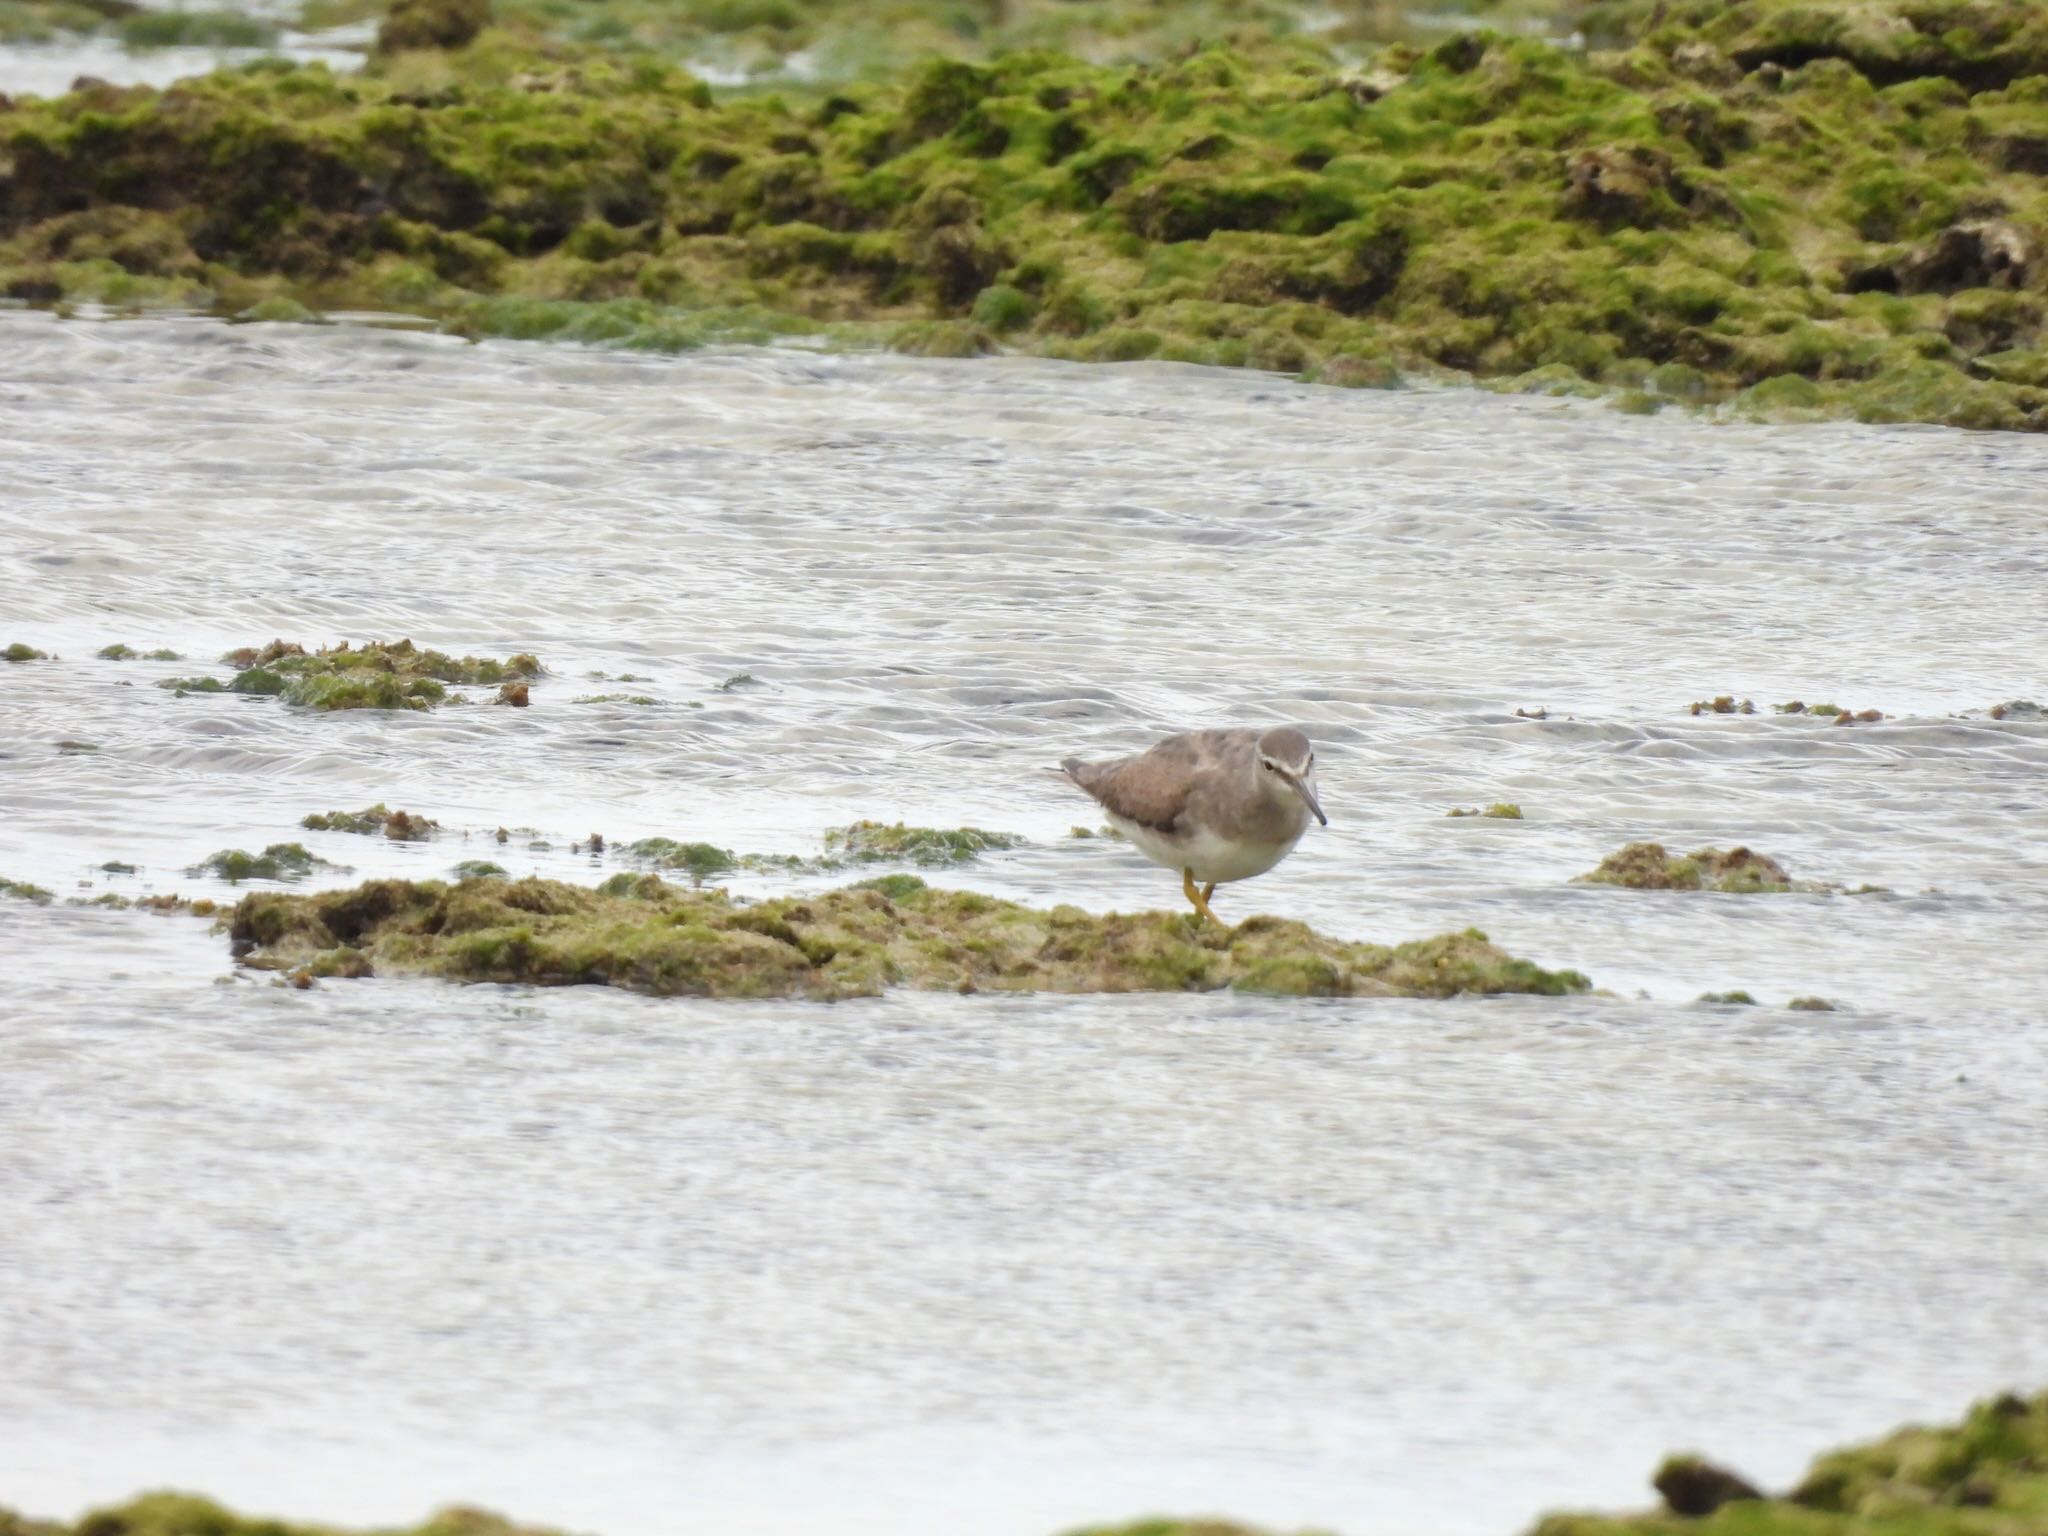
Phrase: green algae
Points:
(194, 29)
(1721, 704)
(1987, 1476)
(479, 869)
(1737, 998)
(1811, 1005)
(874, 842)
(21, 890)
(19, 652)
(1500, 810)
(391, 675)
(699, 861)
(615, 698)
(1742, 210)
(184, 1514)
(279, 861)
(640, 933)
(374, 821)
(1647, 867)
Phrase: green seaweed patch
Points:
(874, 842)
(1721, 704)
(1738, 998)
(374, 821)
(18, 652)
(615, 698)
(1840, 714)
(184, 685)
(1648, 867)
(389, 675)
(279, 861)
(1986, 1476)
(185, 1514)
(649, 936)
(1500, 810)
(479, 869)
(21, 890)
(1811, 1005)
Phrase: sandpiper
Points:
(1215, 805)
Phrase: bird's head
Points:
(1286, 758)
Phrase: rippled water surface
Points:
(926, 1263)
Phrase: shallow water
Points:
(925, 1262)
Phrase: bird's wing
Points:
(1151, 789)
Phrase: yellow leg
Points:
(1199, 898)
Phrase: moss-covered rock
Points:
(1987, 1476)
(394, 675)
(874, 842)
(641, 933)
(1647, 867)
(19, 652)
(1786, 210)
(279, 861)
(374, 821)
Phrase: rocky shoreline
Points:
(1782, 211)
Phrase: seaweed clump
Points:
(186, 1514)
(372, 821)
(1648, 867)
(21, 890)
(874, 842)
(280, 861)
(1500, 810)
(19, 652)
(1987, 1476)
(394, 675)
(643, 934)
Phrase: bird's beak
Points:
(1308, 795)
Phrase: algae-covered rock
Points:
(643, 934)
(874, 842)
(1987, 1476)
(374, 821)
(1647, 867)
(21, 890)
(185, 1514)
(1693, 1486)
(412, 24)
(20, 652)
(394, 675)
(1500, 810)
(279, 861)
(1788, 210)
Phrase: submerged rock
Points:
(643, 934)
(280, 861)
(1647, 867)
(874, 842)
(20, 652)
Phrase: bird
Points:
(1216, 805)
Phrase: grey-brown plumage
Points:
(1216, 805)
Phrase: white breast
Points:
(1209, 856)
